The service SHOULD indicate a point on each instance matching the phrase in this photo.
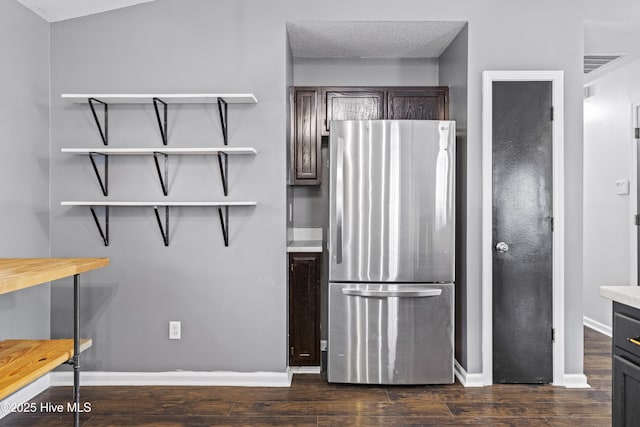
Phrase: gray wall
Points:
(453, 73)
(289, 193)
(365, 72)
(607, 215)
(232, 301)
(24, 162)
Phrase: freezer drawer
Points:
(390, 333)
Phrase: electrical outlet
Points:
(174, 330)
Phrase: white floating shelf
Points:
(160, 203)
(163, 150)
(169, 98)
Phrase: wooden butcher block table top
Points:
(20, 273)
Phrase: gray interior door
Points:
(522, 232)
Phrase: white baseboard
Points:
(468, 380)
(24, 395)
(176, 378)
(305, 369)
(576, 381)
(477, 380)
(597, 326)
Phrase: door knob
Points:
(502, 247)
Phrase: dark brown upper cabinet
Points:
(313, 108)
(418, 103)
(305, 157)
(359, 103)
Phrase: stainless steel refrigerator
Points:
(391, 250)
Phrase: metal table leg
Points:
(76, 349)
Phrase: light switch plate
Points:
(622, 187)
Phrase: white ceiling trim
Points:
(59, 10)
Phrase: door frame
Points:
(557, 82)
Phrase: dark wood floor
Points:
(312, 402)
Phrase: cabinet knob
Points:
(635, 341)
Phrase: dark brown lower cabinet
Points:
(304, 308)
(626, 366)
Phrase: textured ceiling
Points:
(371, 39)
(59, 10)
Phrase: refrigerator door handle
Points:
(386, 294)
(339, 198)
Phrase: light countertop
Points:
(305, 246)
(305, 240)
(628, 295)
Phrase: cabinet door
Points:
(304, 309)
(305, 161)
(626, 392)
(418, 103)
(351, 104)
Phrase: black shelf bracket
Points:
(104, 132)
(224, 171)
(104, 232)
(164, 230)
(224, 223)
(222, 109)
(104, 184)
(163, 225)
(164, 181)
(162, 124)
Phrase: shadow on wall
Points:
(94, 301)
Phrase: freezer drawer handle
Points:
(387, 294)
